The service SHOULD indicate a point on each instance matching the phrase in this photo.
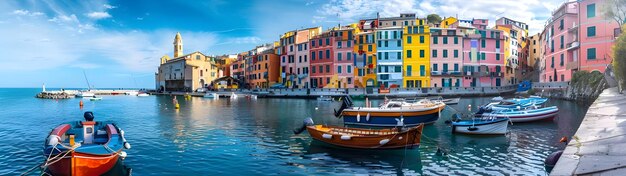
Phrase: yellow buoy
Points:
(177, 106)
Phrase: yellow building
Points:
(365, 68)
(416, 55)
(446, 22)
(185, 72)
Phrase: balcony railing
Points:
(573, 45)
(572, 65)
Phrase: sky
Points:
(118, 43)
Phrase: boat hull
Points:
(81, 164)
(374, 140)
(526, 117)
(391, 118)
(495, 127)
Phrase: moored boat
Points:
(95, 98)
(131, 93)
(83, 94)
(143, 94)
(396, 112)
(84, 147)
(211, 95)
(486, 125)
(365, 138)
(525, 115)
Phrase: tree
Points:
(619, 61)
(616, 10)
(433, 19)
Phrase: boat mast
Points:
(88, 86)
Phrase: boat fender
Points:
(553, 158)
(327, 136)
(345, 137)
(123, 154)
(383, 142)
(367, 118)
(53, 140)
(126, 144)
(472, 128)
(358, 117)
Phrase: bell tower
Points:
(178, 45)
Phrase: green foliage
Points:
(619, 55)
(433, 19)
(584, 79)
(615, 10)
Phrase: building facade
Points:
(322, 59)
(596, 34)
(416, 55)
(389, 57)
(446, 46)
(483, 55)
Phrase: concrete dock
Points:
(599, 145)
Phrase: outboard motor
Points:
(305, 123)
(88, 116)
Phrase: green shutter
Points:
(591, 31)
(591, 54)
(591, 10)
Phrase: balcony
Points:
(573, 28)
(572, 65)
(573, 45)
(435, 73)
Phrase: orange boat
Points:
(365, 138)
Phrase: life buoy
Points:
(55, 135)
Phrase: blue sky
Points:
(118, 43)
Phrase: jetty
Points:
(375, 93)
(599, 145)
(64, 94)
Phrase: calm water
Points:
(255, 137)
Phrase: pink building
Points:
(578, 37)
(597, 36)
(322, 59)
(560, 44)
(483, 57)
(344, 42)
(446, 57)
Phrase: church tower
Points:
(178, 46)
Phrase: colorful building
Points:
(534, 51)
(294, 56)
(322, 59)
(416, 55)
(483, 55)
(561, 29)
(596, 34)
(447, 22)
(262, 68)
(343, 52)
(365, 60)
(446, 58)
(389, 57)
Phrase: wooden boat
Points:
(84, 147)
(481, 126)
(366, 138)
(525, 115)
(393, 113)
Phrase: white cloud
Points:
(108, 6)
(532, 12)
(65, 19)
(98, 15)
(26, 12)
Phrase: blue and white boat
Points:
(514, 103)
(485, 125)
(532, 113)
(393, 113)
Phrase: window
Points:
(320, 55)
(591, 31)
(386, 43)
(483, 43)
(456, 40)
(561, 25)
(408, 54)
(408, 70)
(197, 57)
(552, 65)
(349, 80)
(312, 55)
(591, 10)
(408, 39)
(397, 69)
(399, 43)
(369, 47)
(562, 41)
(386, 55)
(421, 39)
(398, 55)
(434, 67)
(339, 44)
(435, 40)
(562, 55)
(482, 55)
(313, 69)
(434, 53)
(339, 69)
(497, 43)
(327, 41)
(312, 43)
(497, 56)
(445, 68)
(321, 69)
(421, 53)
(445, 40)
(349, 70)
(348, 56)
(394, 23)
(327, 54)
(456, 67)
(406, 23)
(422, 71)
(445, 53)
(456, 53)
(591, 53)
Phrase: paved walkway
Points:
(599, 145)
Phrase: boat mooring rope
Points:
(51, 160)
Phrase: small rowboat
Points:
(95, 98)
(481, 126)
(366, 138)
(525, 115)
(84, 147)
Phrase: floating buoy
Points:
(177, 106)
(563, 139)
(80, 103)
(367, 118)
(358, 117)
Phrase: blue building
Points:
(389, 63)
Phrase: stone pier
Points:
(599, 145)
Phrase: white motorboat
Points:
(486, 125)
(211, 95)
(233, 96)
(143, 94)
(131, 93)
(85, 94)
